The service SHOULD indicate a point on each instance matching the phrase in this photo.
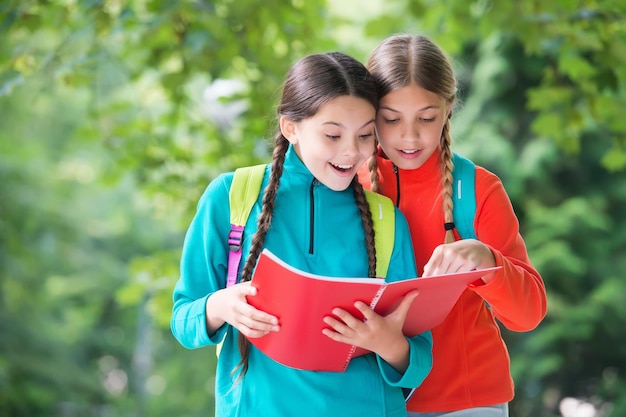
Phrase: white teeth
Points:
(408, 150)
(343, 166)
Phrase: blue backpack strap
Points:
(464, 196)
(244, 192)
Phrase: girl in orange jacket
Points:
(413, 166)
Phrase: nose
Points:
(351, 147)
(411, 133)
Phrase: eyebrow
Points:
(428, 107)
(342, 126)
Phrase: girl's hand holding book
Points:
(381, 334)
(229, 305)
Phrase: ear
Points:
(288, 129)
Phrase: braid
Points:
(263, 225)
(372, 165)
(446, 179)
(265, 219)
(368, 225)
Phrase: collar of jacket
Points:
(295, 169)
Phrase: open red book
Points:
(301, 300)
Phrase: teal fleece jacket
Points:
(317, 230)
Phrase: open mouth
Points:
(342, 167)
(409, 154)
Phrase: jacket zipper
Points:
(312, 219)
(397, 172)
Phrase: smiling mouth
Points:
(342, 167)
(409, 151)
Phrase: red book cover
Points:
(300, 300)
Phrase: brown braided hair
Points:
(368, 225)
(404, 59)
(310, 83)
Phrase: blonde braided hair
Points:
(446, 182)
(401, 60)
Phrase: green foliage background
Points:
(112, 124)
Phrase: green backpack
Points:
(244, 192)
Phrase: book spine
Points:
(349, 358)
(373, 303)
(376, 298)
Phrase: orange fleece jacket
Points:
(471, 365)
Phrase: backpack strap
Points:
(383, 216)
(464, 196)
(244, 192)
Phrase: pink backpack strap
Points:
(235, 238)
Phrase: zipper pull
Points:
(397, 172)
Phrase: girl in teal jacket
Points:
(313, 215)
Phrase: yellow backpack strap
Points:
(383, 216)
(244, 192)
